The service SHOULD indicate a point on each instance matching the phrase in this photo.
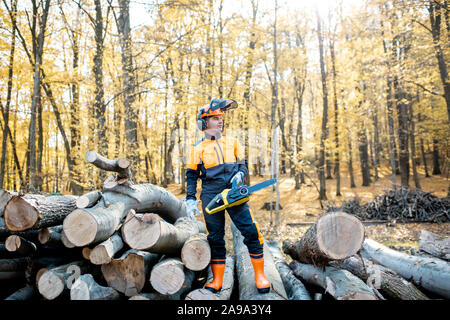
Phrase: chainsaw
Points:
(235, 196)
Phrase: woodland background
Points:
(359, 90)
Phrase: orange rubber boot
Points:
(262, 284)
(218, 271)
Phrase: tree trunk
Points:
(129, 273)
(436, 165)
(246, 276)
(37, 211)
(430, 273)
(340, 284)
(92, 225)
(86, 288)
(170, 277)
(364, 156)
(324, 132)
(128, 80)
(36, 98)
(5, 111)
(294, 287)
(381, 278)
(227, 284)
(149, 232)
(350, 165)
(335, 236)
(196, 252)
(435, 245)
(105, 251)
(413, 147)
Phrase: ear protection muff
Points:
(201, 124)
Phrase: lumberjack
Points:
(219, 162)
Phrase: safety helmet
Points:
(205, 112)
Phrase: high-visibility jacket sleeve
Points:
(192, 173)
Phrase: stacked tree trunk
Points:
(334, 256)
(126, 240)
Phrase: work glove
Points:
(238, 178)
(192, 208)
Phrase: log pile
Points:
(364, 270)
(126, 240)
(134, 241)
(402, 204)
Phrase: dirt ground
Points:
(302, 206)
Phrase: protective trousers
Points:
(244, 222)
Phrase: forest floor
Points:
(303, 206)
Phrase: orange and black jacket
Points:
(215, 162)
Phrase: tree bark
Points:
(170, 277)
(430, 273)
(129, 273)
(37, 211)
(86, 288)
(340, 284)
(435, 245)
(381, 278)
(294, 287)
(246, 276)
(335, 236)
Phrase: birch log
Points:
(335, 236)
(246, 275)
(433, 274)
(104, 252)
(294, 287)
(381, 278)
(341, 284)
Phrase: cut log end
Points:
(100, 255)
(44, 235)
(19, 215)
(339, 235)
(12, 243)
(91, 156)
(167, 279)
(141, 231)
(50, 285)
(80, 228)
(123, 163)
(196, 255)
